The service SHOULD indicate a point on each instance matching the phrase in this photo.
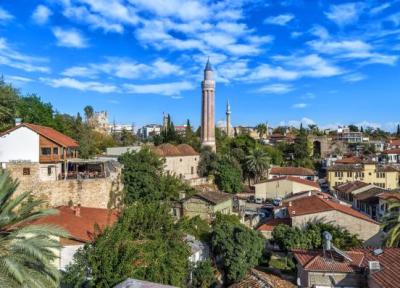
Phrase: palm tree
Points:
(391, 225)
(27, 251)
(257, 163)
(261, 130)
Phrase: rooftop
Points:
(169, 150)
(317, 204)
(81, 227)
(272, 223)
(350, 186)
(47, 132)
(259, 279)
(298, 171)
(214, 197)
(369, 193)
(387, 277)
(293, 179)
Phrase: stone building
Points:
(44, 162)
(322, 208)
(206, 204)
(358, 268)
(180, 160)
(99, 122)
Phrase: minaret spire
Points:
(208, 108)
(228, 119)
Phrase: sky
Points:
(282, 62)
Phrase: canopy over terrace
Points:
(88, 168)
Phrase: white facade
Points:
(280, 189)
(67, 255)
(21, 144)
(184, 167)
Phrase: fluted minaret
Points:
(208, 108)
(228, 119)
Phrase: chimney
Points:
(18, 121)
(78, 210)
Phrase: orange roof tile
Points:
(298, 171)
(317, 204)
(272, 223)
(169, 150)
(81, 227)
(294, 179)
(49, 133)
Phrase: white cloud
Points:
(15, 59)
(125, 68)
(16, 80)
(299, 105)
(345, 14)
(41, 14)
(95, 21)
(165, 89)
(332, 47)
(5, 15)
(276, 89)
(380, 8)
(69, 38)
(311, 65)
(296, 123)
(266, 72)
(354, 77)
(281, 20)
(319, 31)
(296, 34)
(79, 85)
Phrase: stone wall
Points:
(96, 193)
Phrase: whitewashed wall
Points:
(67, 255)
(21, 144)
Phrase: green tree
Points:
(9, 98)
(208, 163)
(257, 163)
(203, 275)
(32, 110)
(26, 250)
(239, 247)
(353, 128)
(196, 227)
(228, 176)
(144, 244)
(261, 130)
(398, 130)
(141, 175)
(89, 111)
(391, 225)
(310, 237)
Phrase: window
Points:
(180, 160)
(349, 174)
(46, 151)
(26, 171)
(55, 150)
(48, 170)
(192, 170)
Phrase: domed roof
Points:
(169, 150)
(186, 150)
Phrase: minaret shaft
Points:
(208, 109)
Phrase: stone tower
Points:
(208, 108)
(228, 119)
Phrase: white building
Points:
(43, 147)
(150, 130)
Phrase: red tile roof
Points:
(350, 186)
(272, 223)
(48, 133)
(394, 142)
(394, 195)
(81, 227)
(349, 160)
(315, 260)
(387, 277)
(317, 204)
(295, 179)
(298, 171)
(392, 151)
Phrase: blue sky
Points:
(324, 62)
